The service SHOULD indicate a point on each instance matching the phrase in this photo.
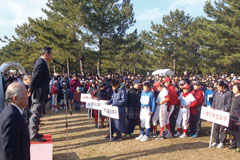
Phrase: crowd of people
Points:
(172, 103)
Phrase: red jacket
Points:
(198, 95)
(172, 95)
(77, 96)
(54, 90)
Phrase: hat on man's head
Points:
(78, 89)
(101, 84)
(186, 86)
(167, 79)
(55, 74)
(198, 83)
(147, 84)
(137, 82)
(156, 84)
(235, 79)
(182, 82)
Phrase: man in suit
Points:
(14, 135)
(39, 88)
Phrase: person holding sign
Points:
(235, 118)
(221, 101)
(186, 101)
(119, 99)
(147, 108)
(101, 95)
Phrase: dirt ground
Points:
(87, 142)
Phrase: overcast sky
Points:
(16, 12)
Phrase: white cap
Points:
(55, 74)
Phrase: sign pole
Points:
(88, 112)
(91, 113)
(110, 129)
(211, 135)
(98, 118)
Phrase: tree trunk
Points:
(68, 67)
(198, 68)
(99, 66)
(134, 71)
(82, 66)
(63, 70)
(175, 65)
(120, 69)
(99, 58)
(54, 67)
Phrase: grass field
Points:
(87, 142)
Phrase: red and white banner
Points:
(215, 116)
(85, 97)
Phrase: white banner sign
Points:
(93, 104)
(110, 111)
(85, 97)
(215, 116)
(107, 110)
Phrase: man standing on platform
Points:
(39, 88)
(14, 135)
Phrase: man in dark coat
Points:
(39, 88)
(133, 107)
(14, 135)
(119, 99)
(108, 81)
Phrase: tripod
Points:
(65, 93)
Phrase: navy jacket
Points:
(14, 135)
(119, 98)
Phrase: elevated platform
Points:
(42, 150)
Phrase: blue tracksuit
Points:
(119, 99)
(208, 95)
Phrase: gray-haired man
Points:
(14, 141)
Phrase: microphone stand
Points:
(70, 110)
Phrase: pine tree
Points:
(166, 41)
(221, 40)
(106, 23)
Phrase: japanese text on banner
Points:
(215, 116)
